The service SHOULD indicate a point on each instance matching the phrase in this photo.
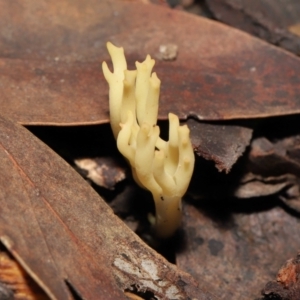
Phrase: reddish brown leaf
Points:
(59, 230)
(51, 53)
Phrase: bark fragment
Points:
(287, 284)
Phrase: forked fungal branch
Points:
(163, 167)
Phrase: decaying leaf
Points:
(223, 144)
(60, 230)
(287, 285)
(276, 158)
(276, 167)
(233, 249)
(253, 185)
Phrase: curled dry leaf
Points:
(59, 229)
(269, 158)
(274, 168)
(253, 185)
(50, 63)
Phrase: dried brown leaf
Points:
(50, 63)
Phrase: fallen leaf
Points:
(269, 158)
(279, 160)
(233, 250)
(253, 185)
(223, 144)
(268, 19)
(58, 228)
(51, 54)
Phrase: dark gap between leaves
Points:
(197, 7)
(134, 290)
(276, 128)
(97, 141)
(73, 291)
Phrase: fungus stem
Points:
(168, 215)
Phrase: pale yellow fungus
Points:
(162, 167)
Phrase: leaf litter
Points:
(238, 222)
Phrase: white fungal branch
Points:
(162, 167)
